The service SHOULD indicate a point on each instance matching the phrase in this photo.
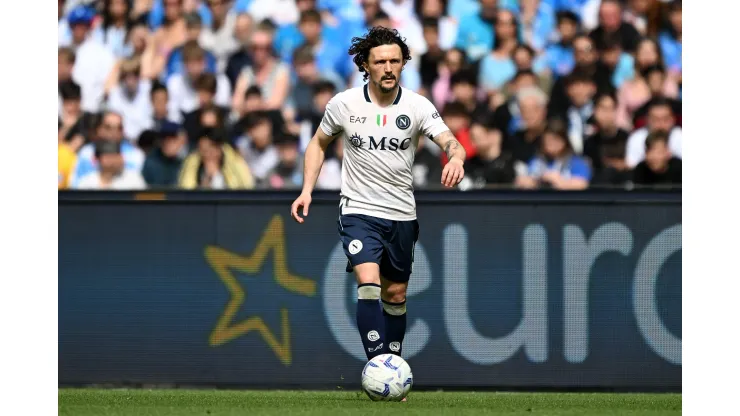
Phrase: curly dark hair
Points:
(376, 36)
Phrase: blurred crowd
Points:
(226, 94)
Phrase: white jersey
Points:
(379, 149)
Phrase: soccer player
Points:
(380, 124)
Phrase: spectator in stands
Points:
(611, 23)
(242, 57)
(618, 64)
(72, 123)
(465, 91)
(280, 12)
(288, 36)
(636, 13)
(558, 57)
(427, 169)
(172, 34)
(112, 172)
(533, 109)
(66, 63)
(147, 140)
(497, 67)
(671, 39)
(157, 13)
(537, 21)
(266, 72)
(490, 165)
(131, 99)
(587, 62)
(328, 48)
(457, 118)
(160, 99)
(525, 59)
(507, 117)
(114, 26)
(175, 60)
(454, 62)
(215, 165)
(206, 87)
(656, 79)
(660, 167)
(66, 162)
(330, 176)
(162, 165)
(137, 39)
(447, 26)
(636, 92)
(64, 33)
(219, 36)
(211, 117)
(613, 169)
(256, 145)
(581, 90)
(181, 87)
(660, 118)
(93, 61)
(288, 173)
(476, 31)
(430, 61)
(608, 132)
(555, 165)
(307, 74)
(109, 128)
(322, 91)
(404, 19)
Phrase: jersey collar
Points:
(366, 90)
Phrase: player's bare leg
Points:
(370, 321)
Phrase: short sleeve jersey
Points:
(379, 148)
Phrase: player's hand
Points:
(453, 173)
(302, 202)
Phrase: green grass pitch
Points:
(84, 402)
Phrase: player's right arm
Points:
(313, 160)
(328, 130)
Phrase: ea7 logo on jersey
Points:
(435, 114)
(356, 140)
(354, 119)
(393, 143)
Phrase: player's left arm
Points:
(434, 127)
(453, 171)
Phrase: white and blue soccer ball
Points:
(387, 377)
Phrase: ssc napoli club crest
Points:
(403, 122)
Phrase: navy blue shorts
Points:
(388, 243)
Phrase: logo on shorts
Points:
(376, 348)
(373, 335)
(355, 246)
(403, 122)
(395, 346)
(356, 140)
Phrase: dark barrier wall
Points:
(539, 290)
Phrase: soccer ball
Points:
(387, 377)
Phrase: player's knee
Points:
(394, 293)
(367, 273)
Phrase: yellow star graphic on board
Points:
(223, 262)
